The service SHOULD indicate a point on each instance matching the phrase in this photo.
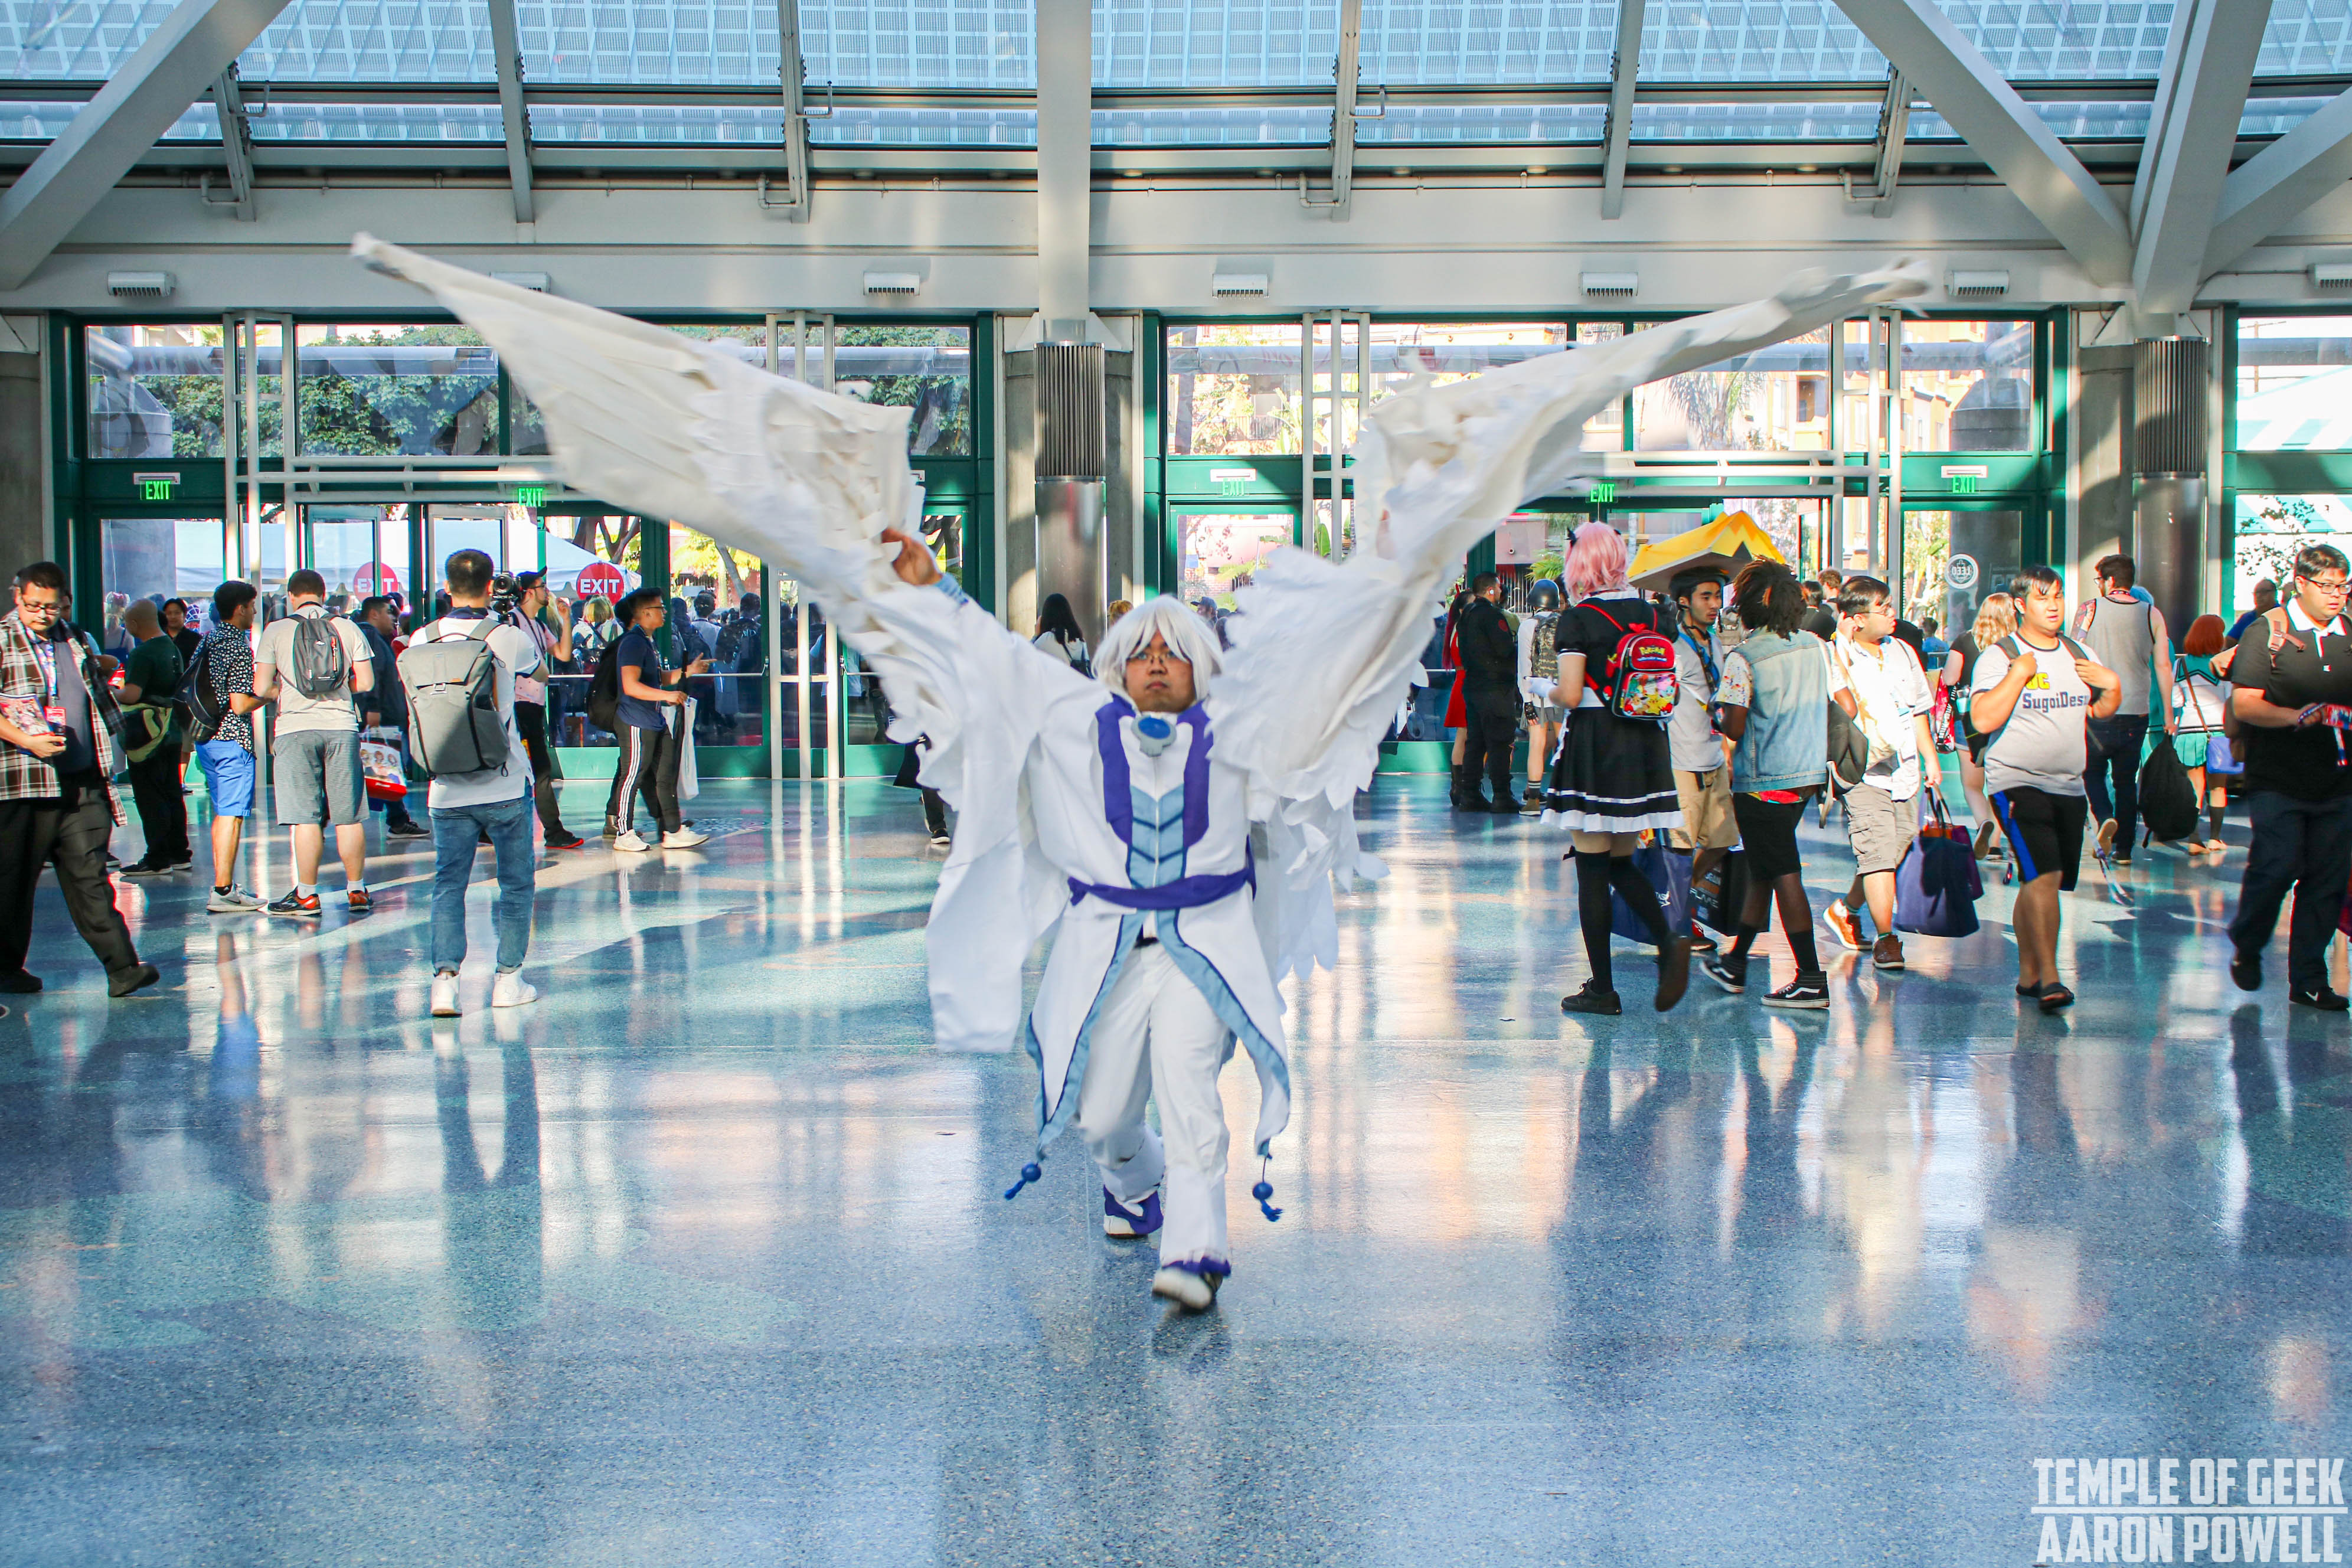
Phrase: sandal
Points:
(2055, 996)
(2030, 992)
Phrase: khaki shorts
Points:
(1880, 827)
(1707, 810)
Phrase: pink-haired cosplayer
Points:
(1612, 776)
(1182, 861)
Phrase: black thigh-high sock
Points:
(1627, 879)
(1592, 913)
(2213, 820)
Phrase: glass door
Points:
(717, 611)
(159, 559)
(1953, 557)
(1216, 551)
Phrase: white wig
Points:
(1188, 637)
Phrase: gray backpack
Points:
(454, 725)
(321, 665)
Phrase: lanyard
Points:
(45, 654)
(1706, 662)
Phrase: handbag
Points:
(379, 761)
(1937, 887)
(1719, 898)
(1669, 874)
(2221, 753)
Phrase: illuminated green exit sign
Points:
(1603, 491)
(1964, 484)
(532, 495)
(155, 486)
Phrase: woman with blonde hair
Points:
(1612, 776)
(1996, 618)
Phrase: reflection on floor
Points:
(701, 1260)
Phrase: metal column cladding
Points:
(1073, 462)
(2170, 387)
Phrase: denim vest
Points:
(1787, 742)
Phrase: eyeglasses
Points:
(2336, 586)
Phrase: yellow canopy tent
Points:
(1726, 544)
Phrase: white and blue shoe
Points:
(1127, 1224)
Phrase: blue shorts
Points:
(228, 777)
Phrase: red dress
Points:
(1456, 715)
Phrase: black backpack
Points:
(605, 690)
(196, 695)
(2167, 800)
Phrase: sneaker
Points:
(942, 841)
(1674, 975)
(1590, 998)
(235, 901)
(1844, 926)
(411, 828)
(295, 904)
(1194, 1291)
(684, 838)
(445, 995)
(20, 984)
(2107, 836)
(359, 900)
(138, 978)
(1985, 830)
(1807, 990)
(567, 841)
(2246, 969)
(1732, 977)
(512, 990)
(147, 869)
(1886, 953)
(184, 864)
(629, 843)
(1125, 1224)
(2325, 999)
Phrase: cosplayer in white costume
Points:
(1219, 839)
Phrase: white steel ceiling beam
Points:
(177, 63)
(792, 74)
(1066, 72)
(2270, 190)
(237, 147)
(1969, 92)
(506, 43)
(1618, 135)
(2198, 104)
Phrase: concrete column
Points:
(1065, 165)
(24, 460)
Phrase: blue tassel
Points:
(1029, 1172)
(1262, 1192)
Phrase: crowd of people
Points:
(1783, 696)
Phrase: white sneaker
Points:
(510, 990)
(235, 901)
(445, 995)
(630, 843)
(684, 838)
(1195, 1292)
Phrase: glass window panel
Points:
(641, 123)
(886, 127)
(155, 392)
(1967, 386)
(1756, 40)
(2306, 37)
(1500, 123)
(1405, 351)
(1217, 551)
(84, 41)
(2293, 376)
(359, 549)
(925, 370)
(469, 122)
(2276, 116)
(2095, 120)
(1279, 43)
(718, 590)
(1752, 121)
(1210, 127)
(920, 43)
(159, 558)
(1995, 540)
(2271, 528)
(733, 42)
(1232, 390)
(2030, 40)
(380, 390)
(1776, 399)
(389, 40)
(46, 121)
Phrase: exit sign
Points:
(532, 495)
(1233, 482)
(1964, 484)
(1604, 491)
(155, 486)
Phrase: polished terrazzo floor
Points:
(701, 1260)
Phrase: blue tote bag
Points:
(1937, 887)
(1669, 873)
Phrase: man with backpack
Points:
(1892, 701)
(2125, 632)
(311, 663)
(459, 675)
(2035, 695)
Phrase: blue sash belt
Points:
(1183, 893)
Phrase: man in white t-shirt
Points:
(1892, 700)
(2036, 706)
(1702, 759)
(493, 801)
(314, 744)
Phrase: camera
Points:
(504, 594)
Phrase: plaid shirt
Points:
(24, 776)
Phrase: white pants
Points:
(1156, 1033)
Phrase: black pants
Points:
(2305, 845)
(69, 831)
(648, 767)
(2120, 741)
(1493, 726)
(530, 722)
(162, 809)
